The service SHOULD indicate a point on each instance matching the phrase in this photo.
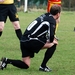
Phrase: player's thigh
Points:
(26, 52)
(35, 45)
(3, 13)
(26, 60)
(13, 16)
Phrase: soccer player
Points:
(50, 51)
(38, 35)
(7, 8)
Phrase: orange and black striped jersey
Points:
(52, 2)
(7, 2)
(56, 1)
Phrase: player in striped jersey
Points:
(38, 35)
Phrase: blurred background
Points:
(67, 5)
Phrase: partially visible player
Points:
(49, 5)
(52, 2)
(8, 9)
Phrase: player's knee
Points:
(16, 25)
(26, 66)
(1, 26)
(1, 29)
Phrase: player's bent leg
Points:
(26, 60)
(47, 56)
(48, 45)
(17, 63)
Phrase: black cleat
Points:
(46, 69)
(3, 63)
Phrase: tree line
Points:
(66, 4)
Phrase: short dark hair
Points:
(55, 9)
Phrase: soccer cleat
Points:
(3, 63)
(46, 69)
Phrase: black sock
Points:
(19, 33)
(48, 55)
(17, 63)
(0, 33)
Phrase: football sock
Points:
(19, 33)
(17, 63)
(0, 33)
(48, 55)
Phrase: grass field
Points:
(63, 60)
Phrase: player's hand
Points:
(55, 41)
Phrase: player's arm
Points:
(52, 30)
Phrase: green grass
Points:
(63, 60)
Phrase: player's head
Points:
(55, 9)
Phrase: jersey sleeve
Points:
(52, 30)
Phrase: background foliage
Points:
(66, 4)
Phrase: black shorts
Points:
(28, 48)
(8, 10)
